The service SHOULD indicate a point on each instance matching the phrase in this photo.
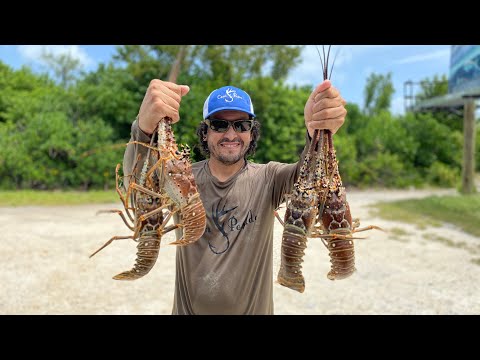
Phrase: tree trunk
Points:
(468, 171)
(175, 70)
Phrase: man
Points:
(229, 270)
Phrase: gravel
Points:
(46, 267)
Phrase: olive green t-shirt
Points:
(229, 270)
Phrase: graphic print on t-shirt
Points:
(227, 224)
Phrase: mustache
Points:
(236, 140)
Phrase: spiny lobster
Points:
(166, 186)
(318, 208)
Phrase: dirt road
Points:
(46, 268)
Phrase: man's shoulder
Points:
(255, 166)
(272, 168)
(198, 165)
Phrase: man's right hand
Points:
(162, 99)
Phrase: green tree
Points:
(111, 94)
(438, 86)
(384, 147)
(436, 141)
(347, 158)
(223, 63)
(385, 133)
(18, 84)
(95, 155)
(43, 139)
(354, 121)
(282, 120)
(378, 93)
(64, 66)
(230, 64)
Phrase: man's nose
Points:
(230, 134)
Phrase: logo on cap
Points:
(229, 96)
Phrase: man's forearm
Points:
(134, 153)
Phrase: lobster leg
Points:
(119, 212)
(111, 240)
(147, 191)
(370, 227)
(153, 212)
(169, 152)
(124, 199)
(149, 146)
(279, 218)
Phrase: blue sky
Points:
(353, 64)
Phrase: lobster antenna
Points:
(328, 57)
(335, 58)
(320, 56)
(324, 62)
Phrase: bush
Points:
(347, 159)
(443, 175)
(436, 142)
(386, 170)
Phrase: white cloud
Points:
(439, 54)
(34, 53)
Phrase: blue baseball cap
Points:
(227, 98)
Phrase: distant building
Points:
(463, 82)
(464, 69)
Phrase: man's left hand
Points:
(325, 109)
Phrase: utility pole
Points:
(468, 169)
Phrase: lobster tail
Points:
(147, 255)
(294, 243)
(194, 221)
(342, 258)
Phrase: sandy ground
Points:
(46, 268)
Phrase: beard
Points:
(228, 156)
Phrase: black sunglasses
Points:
(222, 126)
